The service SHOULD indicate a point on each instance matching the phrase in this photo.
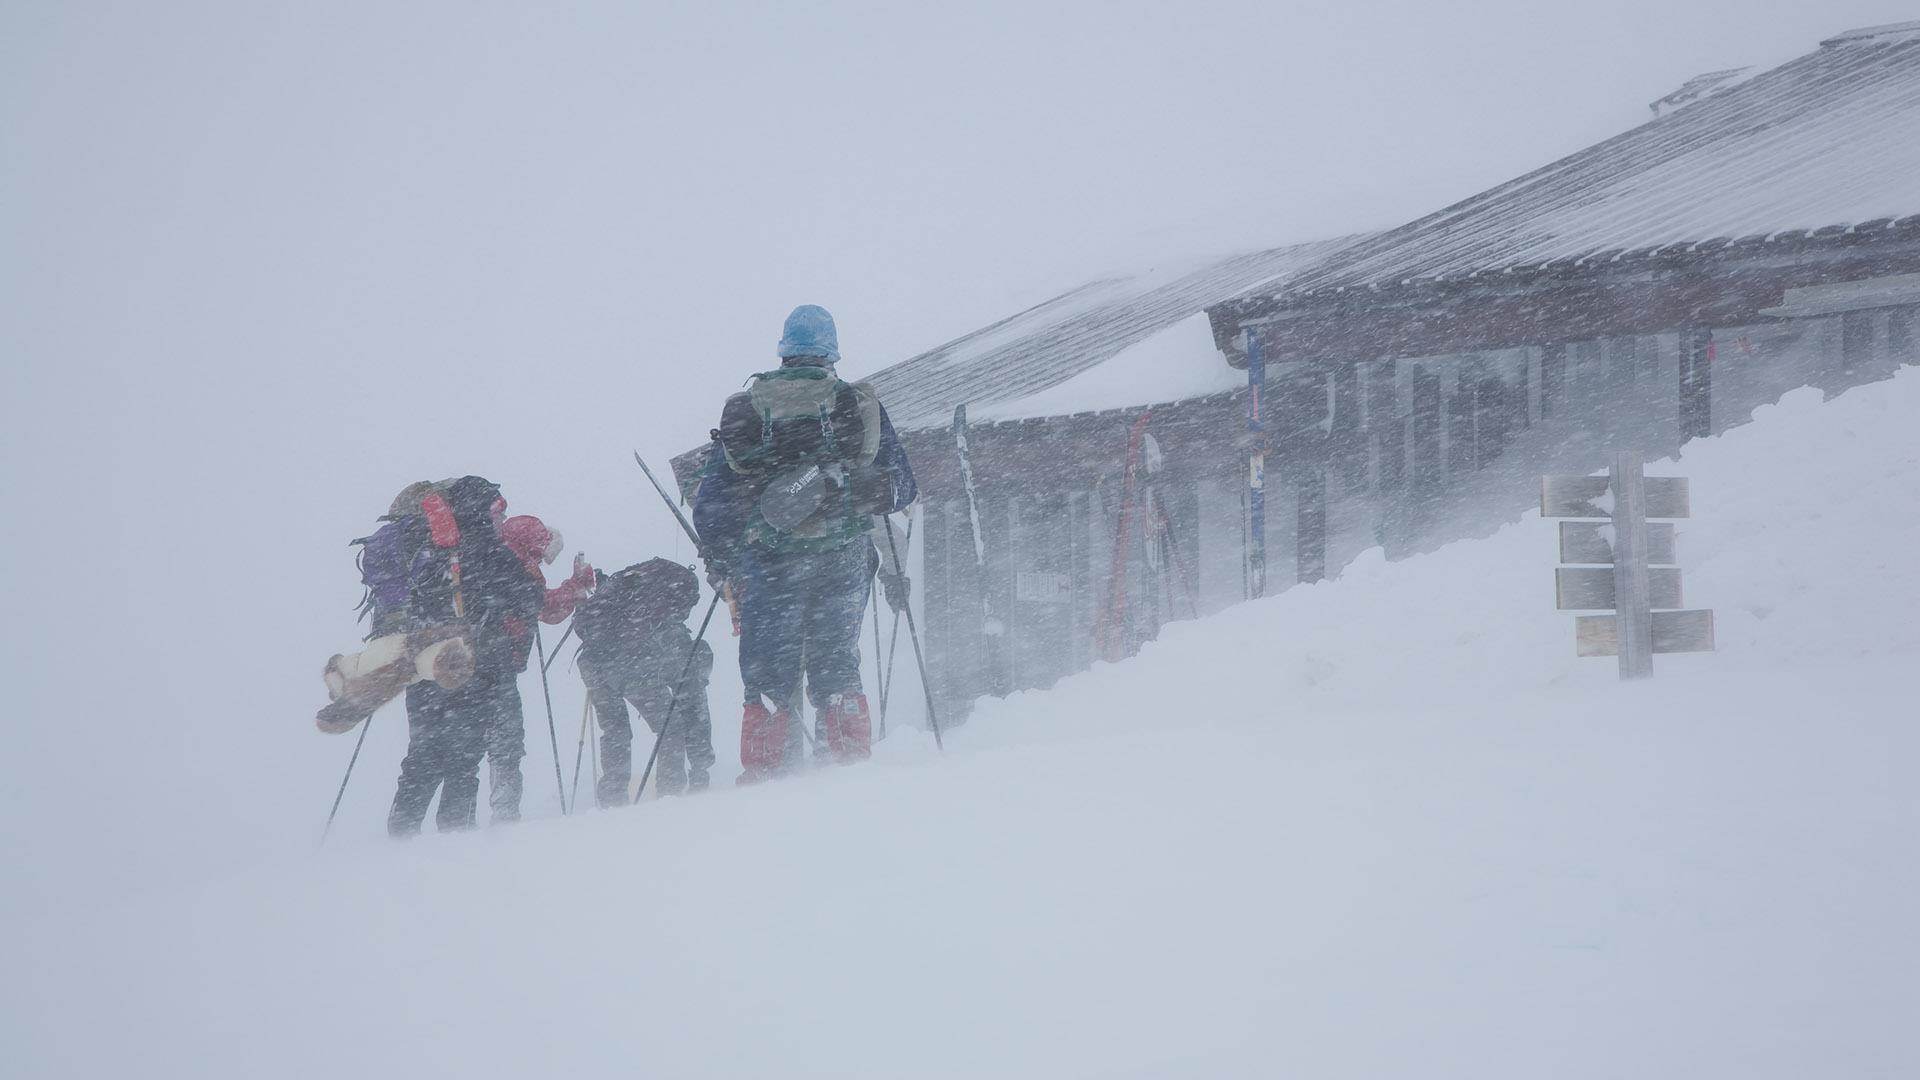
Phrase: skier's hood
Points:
(472, 500)
(531, 540)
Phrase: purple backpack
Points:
(390, 561)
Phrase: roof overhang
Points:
(1694, 286)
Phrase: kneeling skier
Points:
(635, 647)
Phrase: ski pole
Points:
(679, 685)
(586, 708)
(700, 549)
(685, 525)
(913, 632)
(365, 726)
(893, 639)
(879, 681)
(547, 663)
(553, 735)
(893, 650)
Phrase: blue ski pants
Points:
(800, 615)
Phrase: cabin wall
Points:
(1411, 453)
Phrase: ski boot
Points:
(849, 728)
(763, 740)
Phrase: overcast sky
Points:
(262, 263)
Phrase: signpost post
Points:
(1624, 545)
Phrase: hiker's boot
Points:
(763, 742)
(849, 728)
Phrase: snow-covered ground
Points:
(1381, 826)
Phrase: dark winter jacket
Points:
(629, 610)
(493, 585)
(725, 505)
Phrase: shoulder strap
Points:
(868, 403)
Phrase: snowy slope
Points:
(1381, 826)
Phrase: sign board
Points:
(1042, 587)
(1621, 552)
(1591, 588)
(1592, 542)
(1673, 632)
(1592, 496)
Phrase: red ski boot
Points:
(849, 728)
(763, 742)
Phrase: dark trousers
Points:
(646, 681)
(506, 745)
(800, 615)
(447, 733)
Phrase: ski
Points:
(989, 624)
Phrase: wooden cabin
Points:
(1653, 288)
(1761, 233)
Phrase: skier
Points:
(480, 584)
(416, 531)
(534, 544)
(634, 645)
(799, 468)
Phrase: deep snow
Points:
(1382, 826)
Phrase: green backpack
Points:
(795, 432)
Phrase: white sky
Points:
(262, 263)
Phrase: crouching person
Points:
(634, 647)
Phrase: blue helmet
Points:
(810, 333)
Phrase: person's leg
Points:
(772, 644)
(656, 706)
(836, 603)
(698, 723)
(616, 732)
(468, 712)
(506, 746)
(422, 768)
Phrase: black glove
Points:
(896, 588)
(872, 489)
(718, 574)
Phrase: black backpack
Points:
(628, 603)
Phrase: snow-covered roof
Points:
(1830, 140)
(997, 367)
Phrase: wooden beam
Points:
(1581, 301)
(1696, 384)
(1310, 551)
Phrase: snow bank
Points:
(1382, 826)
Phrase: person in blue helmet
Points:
(803, 470)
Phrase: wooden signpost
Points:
(1623, 554)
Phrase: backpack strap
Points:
(868, 403)
(826, 425)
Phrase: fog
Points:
(261, 264)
